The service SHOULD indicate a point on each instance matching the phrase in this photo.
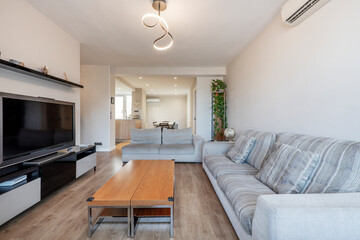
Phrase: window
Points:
(128, 105)
(123, 106)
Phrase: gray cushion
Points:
(288, 169)
(146, 136)
(141, 149)
(263, 147)
(177, 149)
(242, 192)
(181, 136)
(220, 164)
(339, 165)
(241, 149)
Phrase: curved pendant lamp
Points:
(159, 5)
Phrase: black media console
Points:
(45, 175)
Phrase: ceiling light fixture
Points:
(159, 5)
(175, 78)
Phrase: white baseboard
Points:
(104, 149)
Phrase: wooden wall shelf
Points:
(36, 74)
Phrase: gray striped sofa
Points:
(329, 207)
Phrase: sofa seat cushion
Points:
(242, 192)
(141, 149)
(220, 164)
(177, 149)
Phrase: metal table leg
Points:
(171, 221)
(129, 221)
(90, 230)
(132, 221)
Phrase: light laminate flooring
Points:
(63, 215)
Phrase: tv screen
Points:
(30, 126)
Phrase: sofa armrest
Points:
(307, 216)
(198, 142)
(216, 147)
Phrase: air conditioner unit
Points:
(153, 100)
(295, 11)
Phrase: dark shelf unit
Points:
(36, 74)
(31, 172)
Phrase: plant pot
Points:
(219, 136)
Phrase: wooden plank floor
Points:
(63, 215)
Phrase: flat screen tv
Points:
(33, 127)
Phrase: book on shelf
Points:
(13, 181)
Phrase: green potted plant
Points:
(218, 88)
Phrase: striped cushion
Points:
(220, 164)
(181, 136)
(288, 169)
(339, 165)
(241, 149)
(263, 146)
(242, 192)
(146, 136)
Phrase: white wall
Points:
(95, 106)
(188, 109)
(143, 110)
(112, 112)
(169, 109)
(30, 37)
(203, 107)
(304, 79)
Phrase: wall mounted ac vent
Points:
(296, 11)
(153, 100)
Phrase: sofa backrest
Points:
(146, 136)
(264, 145)
(180, 136)
(338, 169)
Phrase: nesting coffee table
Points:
(142, 188)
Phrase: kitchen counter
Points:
(123, 128)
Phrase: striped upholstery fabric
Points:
(177, 136)
(242, 192)
(288, 169)
(241, 149)
(263, 146)
(146, 136)
(339, 165)
(220, 164)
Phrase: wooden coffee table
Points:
(156, 190)
(140, 184)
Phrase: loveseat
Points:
(147, 144)
(328, 207)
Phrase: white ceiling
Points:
(207, 33)
(160, 85)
